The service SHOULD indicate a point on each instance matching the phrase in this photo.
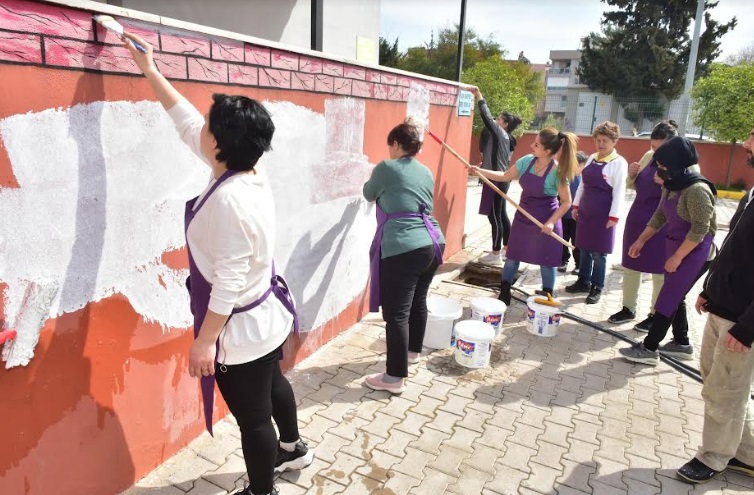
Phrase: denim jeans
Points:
(548, 273)
(593, 268)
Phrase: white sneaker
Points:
(491, 259)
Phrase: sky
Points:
(534, 26)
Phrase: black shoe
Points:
(645, 324)
(575, 271)
(301, 457)
(505, 293)
(594, 295)
(695, 471)
(739, 467)
(622, 316)
(578, 287)
(563, 268)
(247, 491)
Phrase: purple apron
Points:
(486, 201)
(594, 211)
(199, 292)
(680, 282)
(375, 251)
(648, 195)
(527, 242)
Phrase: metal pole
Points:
(461, 40)
(316, 25)
(691, 69)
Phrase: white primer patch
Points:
(417, 107)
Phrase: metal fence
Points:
(580, 111)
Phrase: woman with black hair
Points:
(406, 251)
(496, 149)
(641, 177)
(687, 208)
(242, 309)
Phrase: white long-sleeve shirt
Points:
(614, 172)
(232, 240)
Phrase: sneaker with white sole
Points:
(640, 354)
(301, 457)
(679, 351)
(491, 259)
(376, 382)
(414, 357)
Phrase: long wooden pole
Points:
(501, 193)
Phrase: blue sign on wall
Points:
(465, 103)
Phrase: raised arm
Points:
(163, 90)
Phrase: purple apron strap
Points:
(279, 287)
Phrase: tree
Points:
(641, 55)
(744, 56)
(724, 103)
(390, 56)
(439, 59)
(508, 87)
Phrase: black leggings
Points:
(404, 284)
(498, 217)
(254, 392)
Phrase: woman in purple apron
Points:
(688, 209)
(596, 208)
(641, 177)
(542, 180)
(496, 148)
(406, 251)
(243, 311)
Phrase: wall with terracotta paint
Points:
(106, 396)
(714, 158)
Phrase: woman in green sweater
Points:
(406, 251)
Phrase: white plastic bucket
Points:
(443, 313)
(543, 320)
(488, 310)
(473, 343)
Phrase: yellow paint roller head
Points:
(548, 301)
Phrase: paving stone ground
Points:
(560, 415)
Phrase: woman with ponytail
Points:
(543, 179)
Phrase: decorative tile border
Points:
(58, 36)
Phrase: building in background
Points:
(350, 29)
(574, 107)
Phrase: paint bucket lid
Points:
(474, 330)
(488, 305)
(444, 308)
(542, 308)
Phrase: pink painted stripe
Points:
(310, 65)
(243, 74)
(303, 82)
(342, 86)
(373, 76)
(274, 78)
(229, 51)
(404, 81)
(257, 55)
(185, 45)
(332, 68)
(323, 84)
(355, 72)
(68, 53)
(35, 17)
(381, 91)
(207, 70)
(26, 48)
(284, 60)
(389, 79)
(362, 89)
(172, 66)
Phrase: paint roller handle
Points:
(141, 51)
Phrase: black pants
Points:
(404, 283)
(254, 392)
(679, 320)
(498, 217)
(569, 234)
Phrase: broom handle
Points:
(501, 193)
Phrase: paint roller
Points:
(548, 301)
(497, 190)
(114, 26)
(34, 312)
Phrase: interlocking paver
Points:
(564, 415)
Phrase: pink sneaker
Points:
(375, 382)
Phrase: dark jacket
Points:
(496, 148)
(729, 287)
